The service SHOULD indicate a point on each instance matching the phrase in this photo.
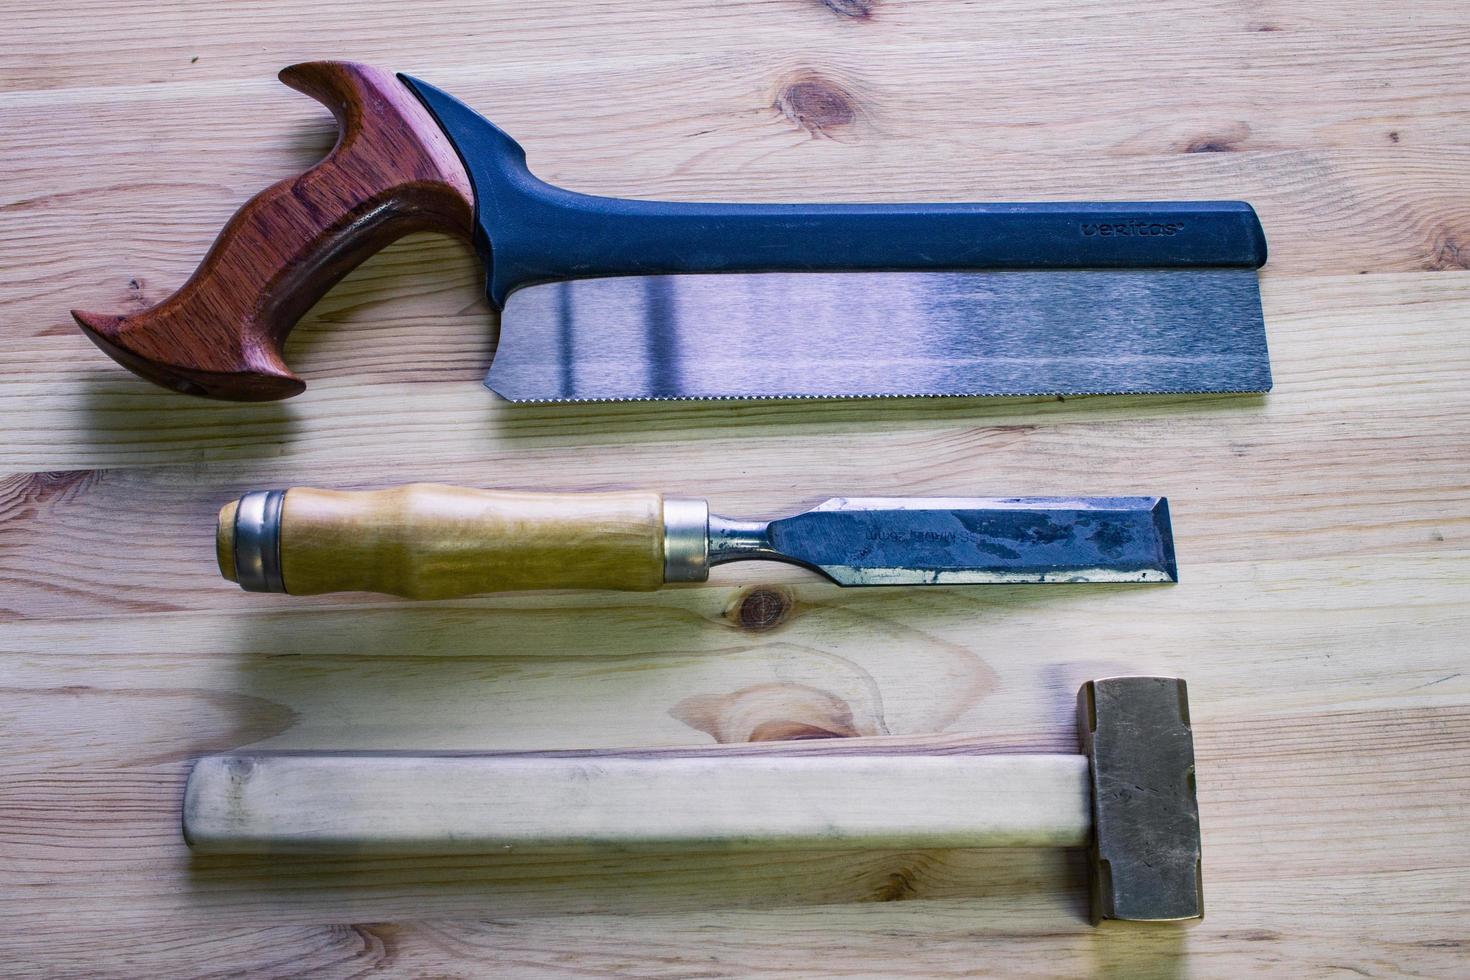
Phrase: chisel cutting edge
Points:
(434, 542)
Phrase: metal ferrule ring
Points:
(686, 540)
(258, 541)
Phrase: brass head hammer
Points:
(1145, 841)
(1129, 798)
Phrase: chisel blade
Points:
(955, 541)
(884, 334)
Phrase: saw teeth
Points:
(874, 397)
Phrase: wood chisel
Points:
(427, 541)
(610, 299)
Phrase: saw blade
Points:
(884, 334)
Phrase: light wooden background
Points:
(1323, 620)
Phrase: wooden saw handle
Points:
(392, 172)
(426, 541)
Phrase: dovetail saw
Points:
(608, 299)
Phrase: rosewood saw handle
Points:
(411, 157)
(392, 172)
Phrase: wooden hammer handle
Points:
(426, 541)
(707, 799)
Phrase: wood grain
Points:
(1321, 618)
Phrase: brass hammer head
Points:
(1145, 851)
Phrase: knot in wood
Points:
(856, 9)
(761, 608)
(818, 105)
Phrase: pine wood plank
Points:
(1321, 619)
(1327, 338)
(1276, 793)
(142, 43)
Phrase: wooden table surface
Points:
(1322, 620)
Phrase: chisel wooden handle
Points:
(425, 541)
